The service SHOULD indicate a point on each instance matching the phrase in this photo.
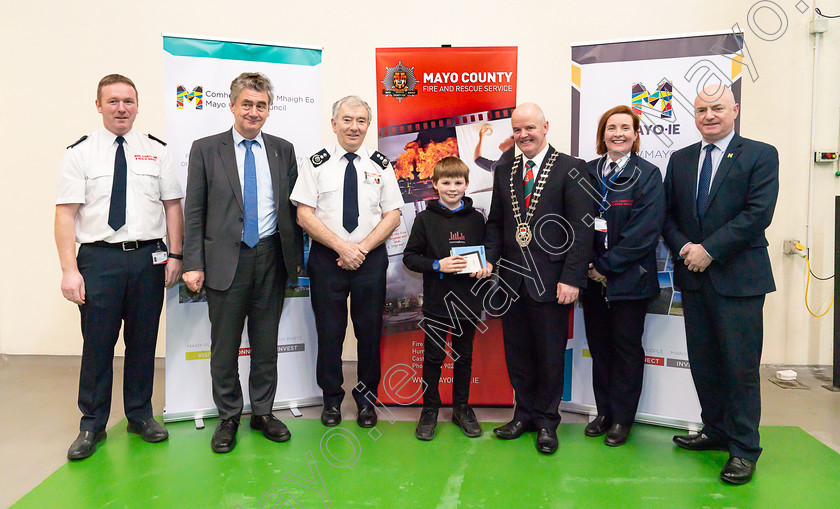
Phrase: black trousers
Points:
(535, 337)
(120, 287)
(330, 286)
(614, 333)
(724, 337)
(434, 354)
(256, 293)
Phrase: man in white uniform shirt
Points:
(348, 201)
(118, 196)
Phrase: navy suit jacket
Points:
(215, 212)
(561, 246)
(740, 207)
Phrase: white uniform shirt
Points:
(86, 176)
(322, 188)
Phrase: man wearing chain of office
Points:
(539, 236)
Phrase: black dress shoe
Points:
(617, 435)
(366, 417)
(700, 442)
(597, 427)
(464, 417)
(224, 438)
(272, 427)
(737, 470)
(426, 425)
(547, 441)
(150, 430)
(331, 416)
(85, 444)
(512, 430)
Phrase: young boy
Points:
(447, 222)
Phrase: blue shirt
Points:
(265, 191)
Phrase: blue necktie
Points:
(350, 216)
(251, 234)
(116, 214)
(705, 181)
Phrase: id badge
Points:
(159, 257)
(600, 225)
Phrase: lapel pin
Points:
(729, 155)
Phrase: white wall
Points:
(54, 53)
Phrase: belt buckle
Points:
(130, 245)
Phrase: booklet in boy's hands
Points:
(476, 260)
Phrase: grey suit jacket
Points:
(214, 211)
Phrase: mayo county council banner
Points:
(197, 76)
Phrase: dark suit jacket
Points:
(741, 202)
(634, 223)
(215, 212)
(562, 242)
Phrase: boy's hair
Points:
(451, 167)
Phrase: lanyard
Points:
(604, 189)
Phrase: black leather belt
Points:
(129, 245)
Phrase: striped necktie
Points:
(528, 182)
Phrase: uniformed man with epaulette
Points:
(348, 201)
(118, 195)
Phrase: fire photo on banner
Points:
(433, 103)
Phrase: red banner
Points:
(433, 103)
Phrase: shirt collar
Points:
(108, 135)
(338, 151)
(538, 159)
(621, 162)
(722, 144)
(238, 138)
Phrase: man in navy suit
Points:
(538, 236)
(720, 195)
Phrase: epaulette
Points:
(83, 138)
(156, 139)
(380, 159)
(320, 158)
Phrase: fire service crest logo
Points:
(399, 82)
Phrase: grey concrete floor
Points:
(39, 417)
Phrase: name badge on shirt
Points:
(159, 257)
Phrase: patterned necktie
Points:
(705, 181)
(350, 216)
(528, 182)
(116, 214)
(251, 233)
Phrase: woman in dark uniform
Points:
(623, 275)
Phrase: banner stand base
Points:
(201, 414)
(657, 420)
